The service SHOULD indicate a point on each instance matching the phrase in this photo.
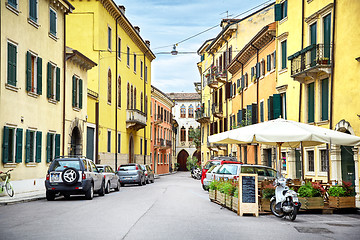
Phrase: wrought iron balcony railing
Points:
(135, 119)
(201, 116)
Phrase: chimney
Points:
(147, 42)
(122, 9)
(137, 28)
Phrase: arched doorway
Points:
(75, 146)
(181, 159)
(197, 154)
(131, 150)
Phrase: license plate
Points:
(295, 199)
(55, 177)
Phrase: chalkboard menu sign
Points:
(248, 189)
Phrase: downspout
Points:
(227, 100)
(331, 88)
(145, 107)
(301, 86)
(116, 89)
(64, 87)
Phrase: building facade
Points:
(119, 87)
(161, 132)
(184, 114)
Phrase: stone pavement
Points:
(22, 197)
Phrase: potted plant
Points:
(235, 199)
(267, 193)
(239, 89)
(212, 190)
(342, 196)
(220, 194)
(323, 61)
(311, 195)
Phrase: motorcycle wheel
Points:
(293, 214)
(278, 214)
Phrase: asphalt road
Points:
(174, 207)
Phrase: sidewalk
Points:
(22, 197)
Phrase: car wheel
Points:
(141, 182)
(102, 189)
(147, 181)
(107, 189)
(70, 176)
(152, 181)
(89, 194)
(122, 184)
(50, 196)
(144, 181)
(66, 196)
(117, 186)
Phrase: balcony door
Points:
(327, 35)
(313, 33)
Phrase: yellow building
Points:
(317, 66)
(119, 88)
(31, 88)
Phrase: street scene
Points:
(208, 119)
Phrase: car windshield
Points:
(214, 170)
(127, 168)
(100, 168)
(60, 165)
(211, 163)
(228, 169)
(211, 168)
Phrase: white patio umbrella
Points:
(287, 133)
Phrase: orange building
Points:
(253, 88)
(161, 131)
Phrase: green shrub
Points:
(310, 190)
(192, 162)
(227, 188)
(268, 192)
(214, 185)
(336, 191)
(236, 192)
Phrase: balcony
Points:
(311, 61)
(211, 81)
(217, 110)
(135, 119)
(197, 87)
(168, 143)
(201, 116)
(220, 76)
(158, 119)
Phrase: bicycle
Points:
(5, 177)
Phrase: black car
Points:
(73, 176)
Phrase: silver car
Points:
(210, 176)
(131, 173)
(111, 179)
(232, 171)
(149, 173)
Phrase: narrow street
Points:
(174, 207)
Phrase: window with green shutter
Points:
(74, 91)
(270, 108)
(325, 99)
(254, 115)
(280, 11)
(39, 75)
(277, 105)
(53, 22)
(13, 3)
(38, 146)
(283, 55)
(19, 138)
(311, 103)
(268, 63)
(313, 40)
(49, 141)
(327, 35)
(261, 111)
(27, 146)
(57, 145)
(33, 73)
(248, 114)
(6, 151)
(11, 64)
(33, 10)
(57, 84)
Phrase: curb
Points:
(22, 200)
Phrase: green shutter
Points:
(283, 55)
(242, 82)
(257, 70)
(274, 59)
(313, 37)
(19, 138)
(327, 35)
(252, 73)
(311, 103)
(57, 145)
(277, 105)
(80, 92)
(268, 63)
(5, 156)
(74, 91)
(270, 108)
(49, 76)
(261, 111)
(238, 83)
(39, 76)
(13, 3)
(48, 147)
(284, 12)
(12, 54)
(38, 146)
(325, 99)
(27, 146)
(52, 22)
(248, 114)
(278, 12)
(254, 114)
(58, 84)
(28, 71)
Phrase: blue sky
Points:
(165, 22)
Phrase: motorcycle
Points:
(196, 173)
(285, 202)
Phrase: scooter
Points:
(285, 202)
(196, 173)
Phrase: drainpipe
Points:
(64, 87)
(302, 47)
(226, 101)
(145, 107)
(97, 132)
(116, 90)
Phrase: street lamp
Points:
(174, 52)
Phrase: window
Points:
(119, 48)
(128, 96)
(281, 11)
(53, 82)
(109, 86)
(109, 38)
(283, 55)
(311, 103)
(77, 92)
(183, 111)
(52, 146)
(324, 162)
(146, 73)
(33, 73)
(109, 141)
(262, 111)
(141, 102)
(134, 63)
(12, 145)
(141, 69)
(33, 146)
(141, 146)
(128, 56)
(146, 105)
(191, 131)
(310, 159)
(230, 54)
(12, 64)
(183, 134)
(131, 97)
(134, 98)
(262, 68)
(324, 99)
(191, 111)
(119, 143)
(13, 3)
(53, 22)
(33, 8)
(119, 92)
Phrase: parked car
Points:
(210, 174)
(73, 176)
(131, 173)
(111, 179)
(232, 171)
(215, 161)
(149, 173)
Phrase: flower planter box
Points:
(235, 202)
(323, 61)
(265, 205)
(212, 195)
(341, 202)
(228, 201)
(311, 203)
(220, 197)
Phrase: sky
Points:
(166, 22)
